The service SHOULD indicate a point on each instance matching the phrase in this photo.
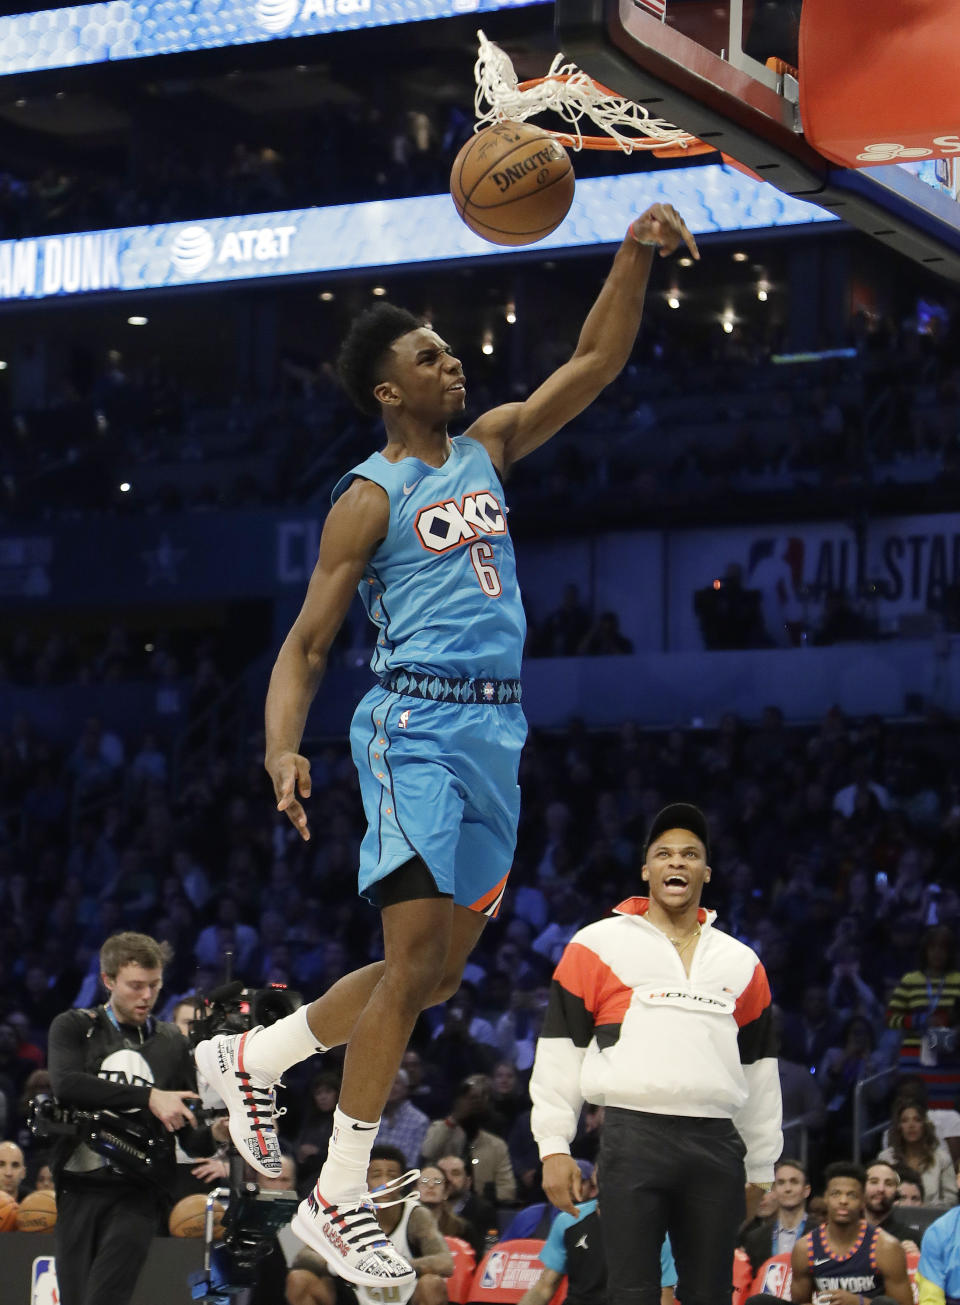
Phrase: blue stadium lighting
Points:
(381, 234)
(137, 29)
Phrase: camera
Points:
(252, 1217)
(129, 1144)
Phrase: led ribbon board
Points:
(384, 233)
(136, 29)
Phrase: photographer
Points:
(117, 1058)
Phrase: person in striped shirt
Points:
(925, 1006)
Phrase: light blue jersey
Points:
(442, 587)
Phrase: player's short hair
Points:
(132, 949)
(383, 1151)
(364, 351)
(844, 1169)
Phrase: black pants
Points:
(670, 1174)
(102, 1237)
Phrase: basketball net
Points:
(568, 91)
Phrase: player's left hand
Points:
(754, 1195)
(661, 225)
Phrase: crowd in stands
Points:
(715, 432)
(837, 857)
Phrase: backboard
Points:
(726, 71)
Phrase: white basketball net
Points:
(499, 98)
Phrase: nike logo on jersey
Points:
(408, 489)
(447, 525)
(817, 1263)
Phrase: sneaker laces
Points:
(358, 1223)
(260, 1102)
(396, 1185)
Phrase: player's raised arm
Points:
(357, 523)
(606, 342)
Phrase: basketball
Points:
(8, 1212)
(512, 183)
(187, 1218)
(37, 1212)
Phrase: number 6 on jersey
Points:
(481, 555)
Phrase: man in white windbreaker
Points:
(665, 1021)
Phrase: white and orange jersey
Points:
(627, 1027)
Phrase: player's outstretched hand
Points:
(663, 226)
(291, 775)
(561, 1182)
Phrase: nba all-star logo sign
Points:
(447, 525)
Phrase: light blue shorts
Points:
(439, 781)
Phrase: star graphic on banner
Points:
(163, 562)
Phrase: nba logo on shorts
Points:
(43, 1282)
(404, 717)
(493, 1270)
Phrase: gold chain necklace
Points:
(681, 943)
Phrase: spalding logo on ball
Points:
(512, 183)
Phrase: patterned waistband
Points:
(439, 688)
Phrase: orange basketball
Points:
(188, 1217)
(512, 183)
(37, 1212)
(8, 1212)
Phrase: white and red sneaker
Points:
(249, 1097)
(347, 1236)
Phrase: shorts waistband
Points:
(439, 688)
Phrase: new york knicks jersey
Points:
(856, 1272)
(442, 587)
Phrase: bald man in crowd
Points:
(12, 1169)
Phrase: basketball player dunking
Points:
(848, 1260)
(421, 529)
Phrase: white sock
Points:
(344, 1172)
(272, 1050)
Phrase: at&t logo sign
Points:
(280, 15)
(194, 248)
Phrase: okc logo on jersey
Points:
(443, 526)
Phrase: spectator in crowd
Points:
(403, 1125)
(914, 1142)
(841, 1069)
(880, 1200)
(462, 1133)
(564, 630)
(434, 1188)
(310, 1147)
(463, 1200)
(803, 1110)
(604, 638)
(807, 1036)
(779, 1232)
(945, 1119)
(13, 1170)
(910, 1190)
(925, 1006)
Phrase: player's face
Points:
(133, 992)
(881, 1189)
(844, 1201)
(676, 869)
(427, 376)
(380, 1172)
(790, 1187)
